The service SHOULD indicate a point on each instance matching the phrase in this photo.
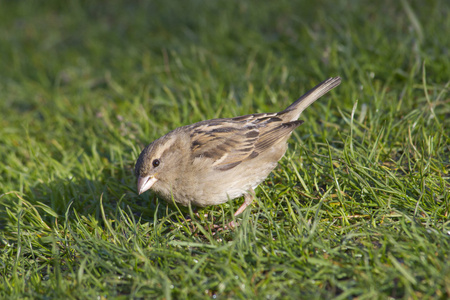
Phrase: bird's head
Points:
(159, 162)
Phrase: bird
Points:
(214, 161)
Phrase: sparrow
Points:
(214, 161)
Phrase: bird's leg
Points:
(248, 198)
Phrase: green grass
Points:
(358, 207)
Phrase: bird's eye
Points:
(156, 163)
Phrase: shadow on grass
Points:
(47, 204)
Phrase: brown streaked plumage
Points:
(213, 161)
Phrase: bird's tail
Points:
(295, 109)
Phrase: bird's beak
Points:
(145, 183)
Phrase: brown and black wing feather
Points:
(229, 142)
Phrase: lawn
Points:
(357, 208)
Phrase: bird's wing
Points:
(229, 142)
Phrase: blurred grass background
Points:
(358, 208)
